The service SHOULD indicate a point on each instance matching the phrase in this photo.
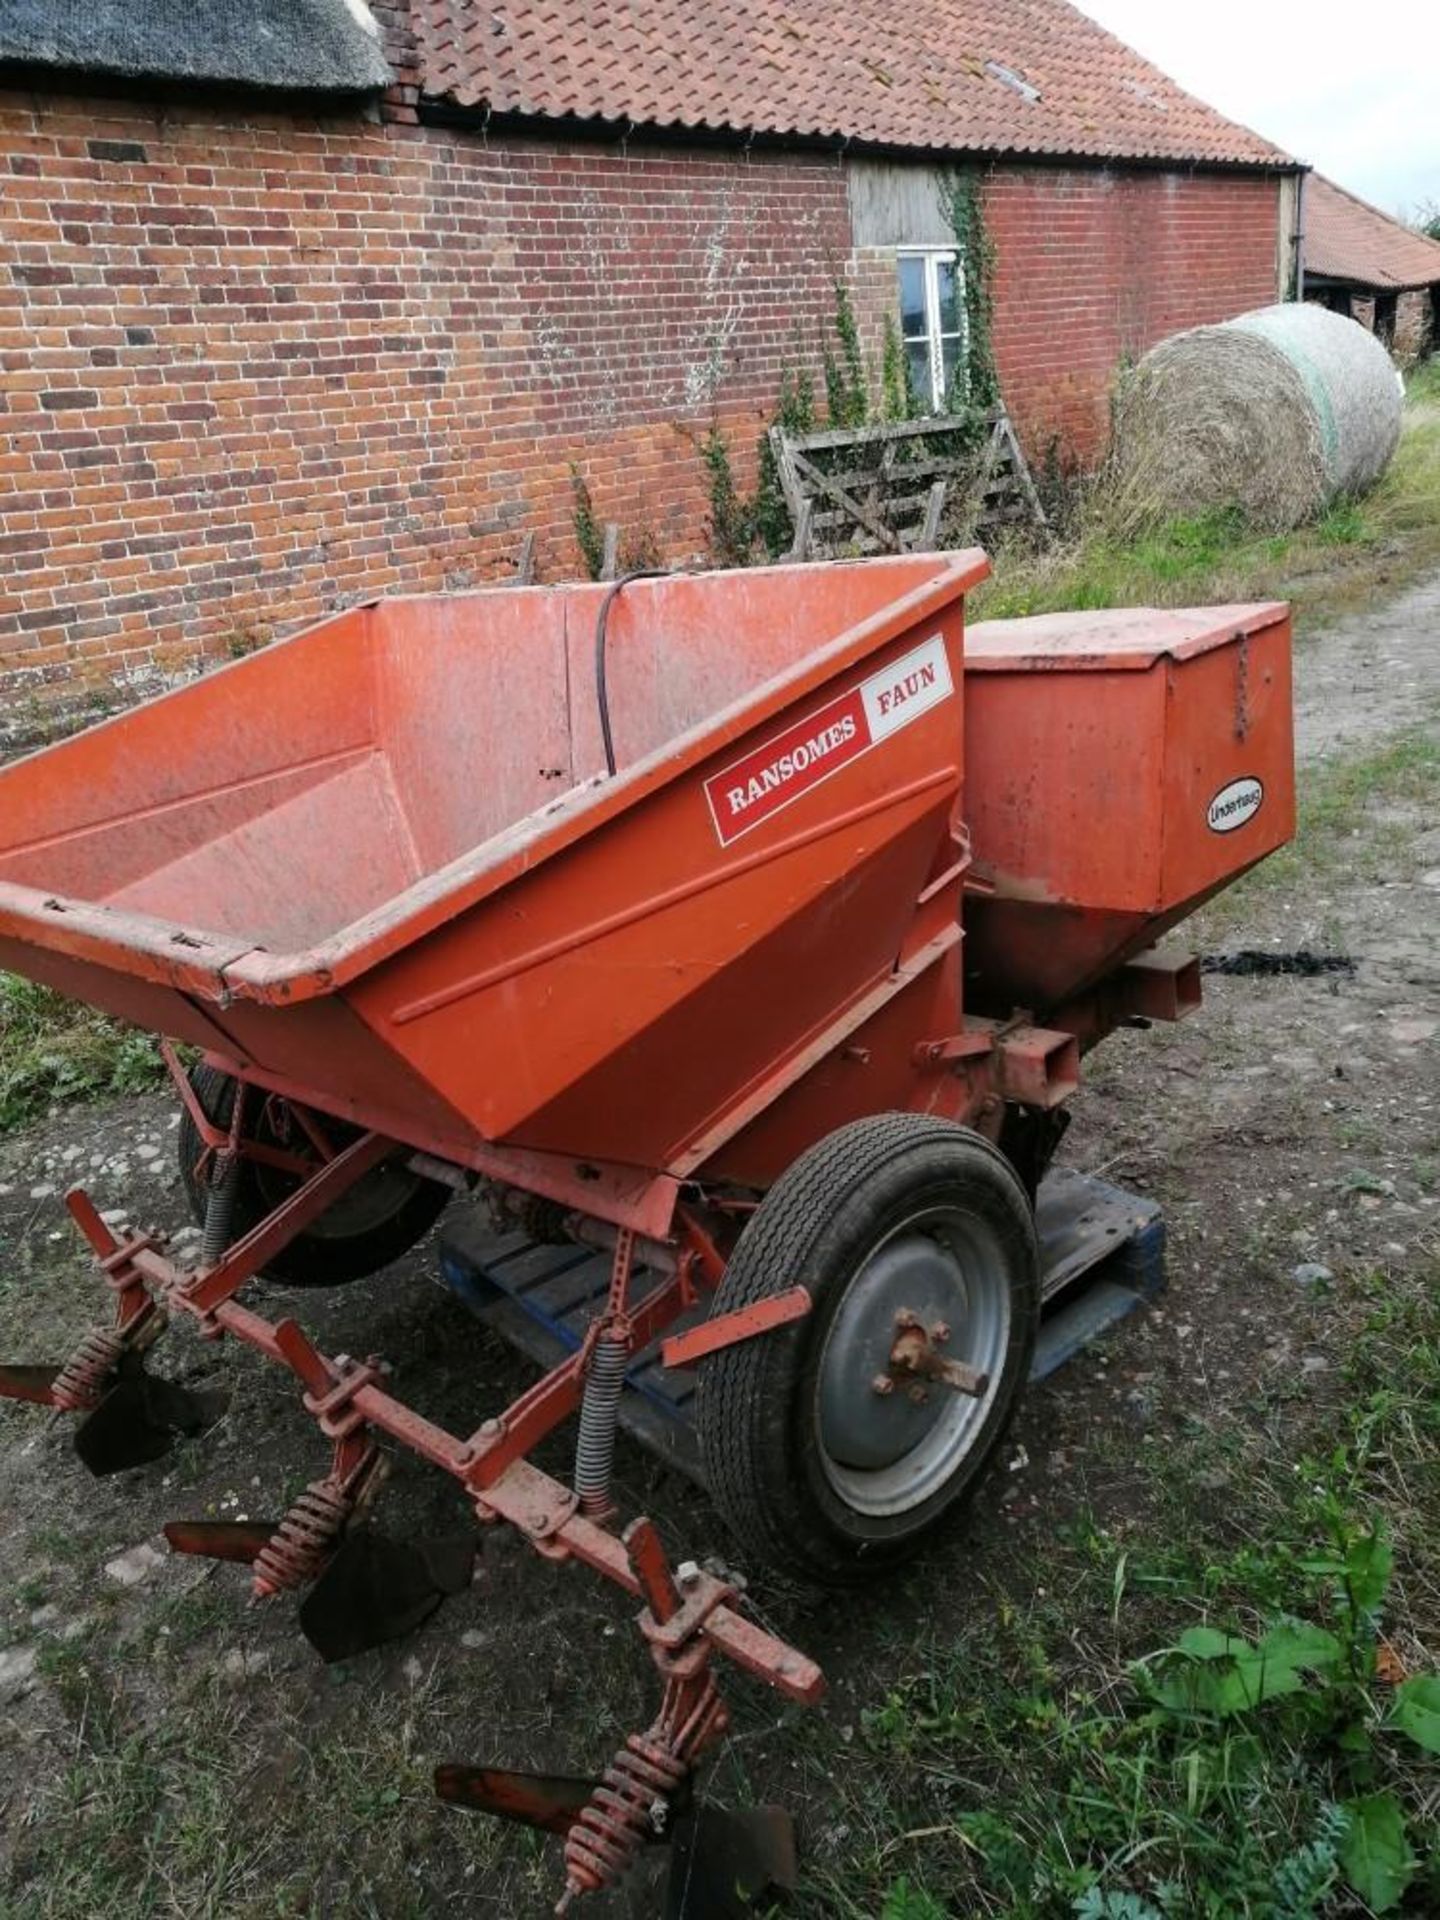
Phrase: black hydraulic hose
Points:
(602, 692)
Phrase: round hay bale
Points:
(1276, 414)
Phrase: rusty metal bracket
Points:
(728, 1329)
(916, 1352)
(700, 1593)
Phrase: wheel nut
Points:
(918, 1396)
(882, 1383)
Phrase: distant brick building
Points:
(324, 303)
(1360, 262)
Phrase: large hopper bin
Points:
(1120, 767)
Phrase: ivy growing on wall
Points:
(898, 398)
(962, 199)
(847, 391)
(740, 525)
(589, 535)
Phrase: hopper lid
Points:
(1121, 639)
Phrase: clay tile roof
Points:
(1348, 239)
(933, 76)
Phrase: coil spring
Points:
(81, 1382)
(219, 1207)
(595, 1444)
(610, 1829)
(299, 1547)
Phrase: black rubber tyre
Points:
(891, 1186)
(379, 1219)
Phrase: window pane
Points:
(947, 280)
(917, 354)
(955, 382)
(912, 297)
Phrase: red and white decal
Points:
(753, 789)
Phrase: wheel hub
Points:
(871, 1415)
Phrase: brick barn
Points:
(1360, 262)
(302, 302)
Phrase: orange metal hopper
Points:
(380, 864)
(1121, 767)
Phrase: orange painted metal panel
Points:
(1097, 745)
(562, 971)
(379, 866)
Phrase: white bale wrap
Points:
(1278, 413)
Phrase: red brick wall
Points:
(1092, 268)
(252, 371)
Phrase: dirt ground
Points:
(166, 1751)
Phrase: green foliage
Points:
(847, 392)
(55, 1049)
(794, 412)
(964, 209)
(898, 398)
(1375, 1856)
(589, 535)
(1417, 1711)
(904, 1903)
(1256, 1765)
(1358, 550)
(732, 518)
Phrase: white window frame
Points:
(932, 258)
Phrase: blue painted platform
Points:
(1102, 1253)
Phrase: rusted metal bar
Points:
(275, 1232)
(727, 1329)
(349, 1402)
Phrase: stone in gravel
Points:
(132, 1569)
(45, 1616)
(41, 1192)
(242, 1664)
(473, 1639)
(1431, 879)
(17, 1673)
(1311, 1273)
(1412, 1033)
(1315, 1363)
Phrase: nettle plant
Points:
(1320, 1689)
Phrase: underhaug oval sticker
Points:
(1235, 804)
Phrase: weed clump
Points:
(55, 1049)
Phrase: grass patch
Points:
(54, 1049)
(1254, 1736)
(1360, 549)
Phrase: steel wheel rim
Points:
(966, 1263)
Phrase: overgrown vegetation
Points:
(589, 534)
(1360, 549)
(964, 208)
(54, 1049)
(744, 528)
(1258, 1742)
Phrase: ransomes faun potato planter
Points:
(737, 937)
